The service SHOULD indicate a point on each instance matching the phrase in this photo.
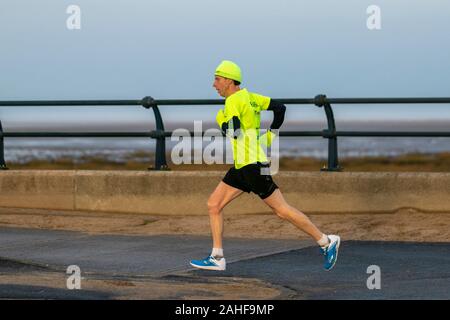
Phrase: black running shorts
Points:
(249, 178)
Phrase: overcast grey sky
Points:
(169, 49)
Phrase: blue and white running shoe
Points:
(331, 252)
(210, 263)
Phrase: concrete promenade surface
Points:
(33, 265)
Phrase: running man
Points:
(240, 121)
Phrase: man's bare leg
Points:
(221, 196)
(328, 243)
(277, 203)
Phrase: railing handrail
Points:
(174, 102)
(160, 134)
(156, 134)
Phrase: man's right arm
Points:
(234, 124)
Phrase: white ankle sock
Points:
(324, 241)
(217, 252)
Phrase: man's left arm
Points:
(279, 110)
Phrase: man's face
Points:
(222, 84)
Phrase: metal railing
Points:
(160, 134)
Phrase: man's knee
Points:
(214, 206)
(282, 211)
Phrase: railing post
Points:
(160, 155)
(333, 164)
(2, 146)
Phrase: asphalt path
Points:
(365, 269)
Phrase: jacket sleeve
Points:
(279, 110)
(232, 121)
(234, 124)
